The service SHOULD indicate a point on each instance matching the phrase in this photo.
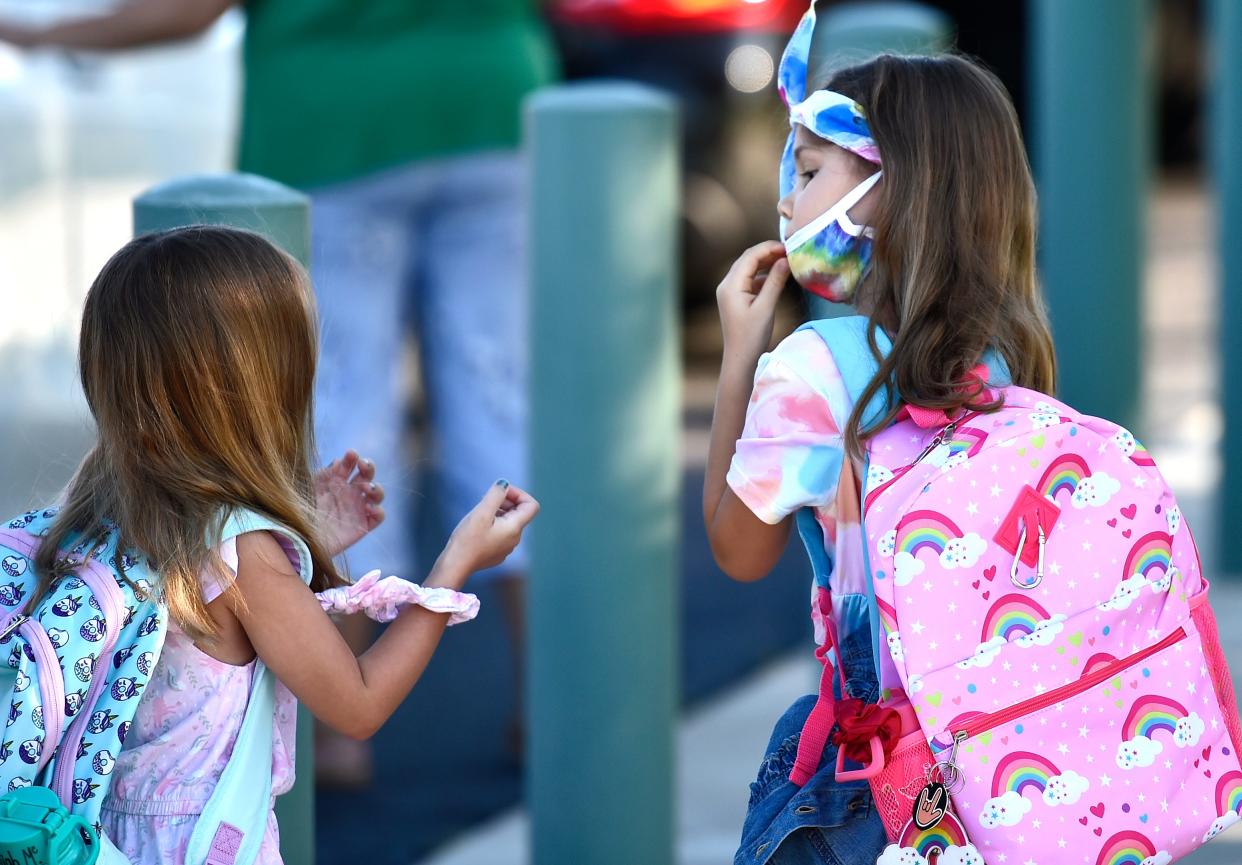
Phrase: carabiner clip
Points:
(1017, 559)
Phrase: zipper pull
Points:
(950, 772)
(936, 442)
(14, 623)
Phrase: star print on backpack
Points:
(1040, 605)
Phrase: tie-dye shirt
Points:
(791, 455)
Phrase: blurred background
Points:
(85, 132)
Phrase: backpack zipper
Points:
(51, 688)
(1057, 695)
(111, 603)
(941, 437)
(944, 433)
(951, 771)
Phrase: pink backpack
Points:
(1052, 673)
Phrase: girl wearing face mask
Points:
(906, 193)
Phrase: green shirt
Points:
(335, 89)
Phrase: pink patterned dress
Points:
(191, 714)
(179, 744)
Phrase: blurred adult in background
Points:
(401, 119)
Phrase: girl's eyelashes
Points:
(807, 176)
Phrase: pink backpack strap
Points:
(929, 418)
(823, 717)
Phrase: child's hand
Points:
(348, 501)
(486, 536)
(747, 299)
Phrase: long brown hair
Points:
(197, 356)
(953, 263)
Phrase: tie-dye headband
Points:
(829, 115)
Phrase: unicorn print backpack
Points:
(1052, 684)
(77, 665)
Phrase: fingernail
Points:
(503, 484)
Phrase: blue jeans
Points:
(824, 822)
(444, 241)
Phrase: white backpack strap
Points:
(231, 828)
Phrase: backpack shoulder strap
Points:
(234, 820)
(241, 521)
(846, 339)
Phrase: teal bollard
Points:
(850, 33)
(853, 33)
(1092, 148)
(1225, 25)
(605, 461)
(282, 215)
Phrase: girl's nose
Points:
(785, 206)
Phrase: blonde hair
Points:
(197, 356)
(953, 264)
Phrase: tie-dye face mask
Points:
(829, 255)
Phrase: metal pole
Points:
(605, 408)
(1225, 30)
(283, 216)
(1092, 143)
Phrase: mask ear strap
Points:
(851, 198)
(855, 195)
(837, 213)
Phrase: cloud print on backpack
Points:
(922, 530)
(1070, 472)
(1148, 717)
(1228, 804)
(1017, 619)
(1024, 771)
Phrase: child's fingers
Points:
(375, 515)
(517, 495)
(758, 257)
(344, 466)
(770, 290)
(521, 515)
(494, 496)
(366, 470)
(373, 493)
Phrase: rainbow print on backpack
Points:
(1075, 698)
